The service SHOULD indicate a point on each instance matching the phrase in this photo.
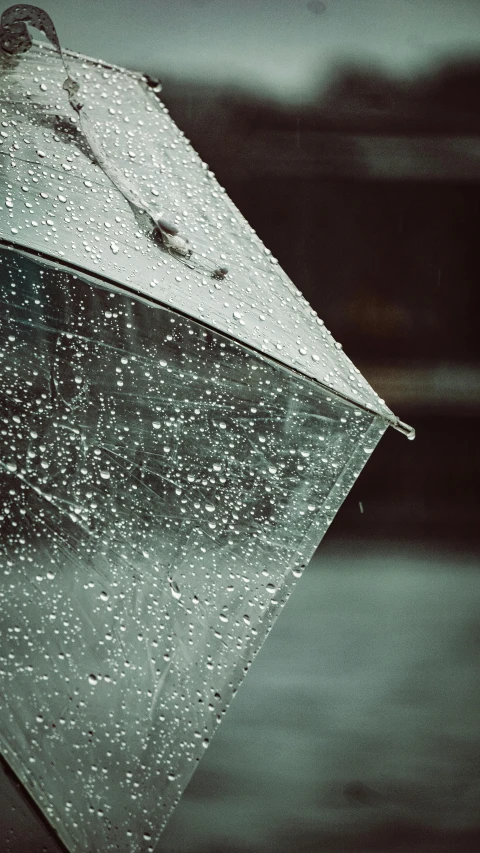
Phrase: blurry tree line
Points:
(369, 197)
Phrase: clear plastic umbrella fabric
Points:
(167, 466)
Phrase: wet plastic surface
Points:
(60, 201)
(162, 488)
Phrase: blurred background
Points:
(348, 134)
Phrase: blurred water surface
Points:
(358, 727)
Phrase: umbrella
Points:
(178, 431)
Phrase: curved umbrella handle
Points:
(14, 39)
(14, 35)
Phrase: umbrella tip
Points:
(153, 83)
(405, 429)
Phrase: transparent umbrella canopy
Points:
(178, 430)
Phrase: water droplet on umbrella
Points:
(175, 590)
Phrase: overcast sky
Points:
(280, 47)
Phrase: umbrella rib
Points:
(99, 277)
